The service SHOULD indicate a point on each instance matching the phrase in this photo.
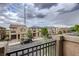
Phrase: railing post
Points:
(59, 45)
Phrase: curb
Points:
(14, 43)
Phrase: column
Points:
(59, 45)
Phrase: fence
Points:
(45, 49)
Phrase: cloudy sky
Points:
(39, 14)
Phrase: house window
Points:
(22, 30)
(13, 31)
(34, 31)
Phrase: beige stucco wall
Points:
(71, 46)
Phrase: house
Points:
(17, 31)
(36, 31)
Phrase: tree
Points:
(44, 32)
(29, 34)
(72, 29)
(75, 28)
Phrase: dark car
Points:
(24, 41)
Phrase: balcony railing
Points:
(45, 49)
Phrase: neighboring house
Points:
(62, 30)
(36, 31)
(2, 33)
(17, 31)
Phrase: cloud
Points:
(64, 6)
(43, 11)
(8, 16)
(14, 13)
(69, 6)
(1, 22)
(39, 12)
(61, 7)
(3, 7)
(2, 18)
(69, 18)
(11, 15)
(44, 5)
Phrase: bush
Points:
(59, 32)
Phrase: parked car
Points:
(24, 41)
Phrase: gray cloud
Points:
(3, 7)
(45, 5)
(40, 16)
(44, 14)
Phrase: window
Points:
(13, 31)
(22, 29)
(34, 30)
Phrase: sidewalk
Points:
(39, 38)
(13, 42)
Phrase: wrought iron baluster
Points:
(43, 49)
(32, 52)
(16, 53)
(28, 51)
(40, 50)
(46, 49)
(36, 50)
(22, 52)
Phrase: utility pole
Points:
(24, 15)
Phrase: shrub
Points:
(59, 32)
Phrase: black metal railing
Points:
(45, 49)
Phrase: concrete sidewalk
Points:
(13, 42)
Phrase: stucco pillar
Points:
(59, 45)
(9, 35)
(3, 48)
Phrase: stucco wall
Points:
(71, 46)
